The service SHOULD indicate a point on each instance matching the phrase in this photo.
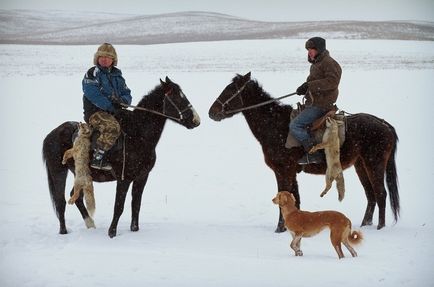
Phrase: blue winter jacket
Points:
(100, 85)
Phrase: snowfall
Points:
(207, 218)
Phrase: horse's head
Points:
(176, 106)
(230, 99)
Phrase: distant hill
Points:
(79, 28)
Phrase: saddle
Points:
(318, 127)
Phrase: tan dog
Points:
(306, 224)
(330, 144)
(82, 180)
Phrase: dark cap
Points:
(317, 43)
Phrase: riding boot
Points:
(309, 158)
(98, 161)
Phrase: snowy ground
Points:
(207, 217)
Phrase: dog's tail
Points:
(355, 237)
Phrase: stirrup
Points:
(314, 158)
(100, 164)
(98, 161)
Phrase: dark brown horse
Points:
(370, 146)
(142, 128)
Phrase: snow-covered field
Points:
(207, 218)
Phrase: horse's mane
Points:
(276, 107)
(131, 121)
(151, 97)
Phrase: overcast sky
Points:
(267, 10)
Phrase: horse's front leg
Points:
(121, 193)
(286, 181)
(138, 187)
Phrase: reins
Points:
(158, 113)
(258, 105)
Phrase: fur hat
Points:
(317, 43)
(106, 50)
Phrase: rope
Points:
(124, 158)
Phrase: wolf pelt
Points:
(83, 180)
(330, 144)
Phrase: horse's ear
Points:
(168, 81)
(247, 76)
(161, 81)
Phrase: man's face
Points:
(312, 53)
(105, 62)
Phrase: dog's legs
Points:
(351, 249)
(338, 249)
(336, 238)
(295, 244)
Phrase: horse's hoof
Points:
(280, 229)
(380, 226)
(111, 233)
(134, 227)
(366, 223)
(63, 231)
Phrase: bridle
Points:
(163, 114)
(180, 112)
(238, 92)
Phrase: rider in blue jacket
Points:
(104, 90)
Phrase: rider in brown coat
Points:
(320, 91)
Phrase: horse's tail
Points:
(392, 178)
(52, 154)
(53, 182)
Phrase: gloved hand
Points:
(117, 106)
(116, 102)
(302, 90)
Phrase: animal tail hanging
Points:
(355, 237)
(89, 198)
(340, 185)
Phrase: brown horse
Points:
(370, 145)
(131, 163)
